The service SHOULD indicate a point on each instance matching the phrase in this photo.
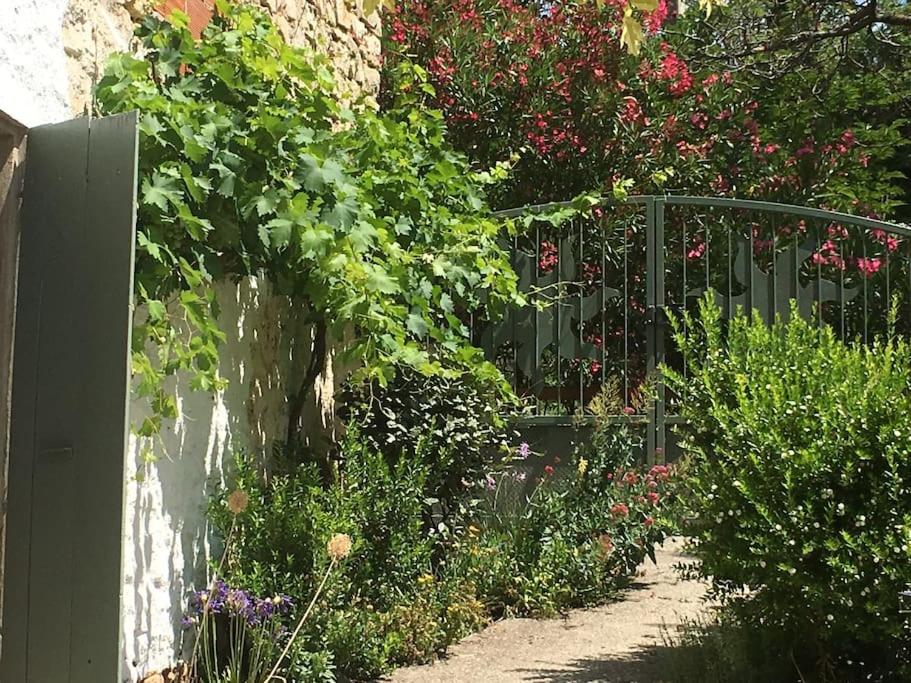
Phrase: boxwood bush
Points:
(797, 481)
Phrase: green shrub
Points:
(383, 605)
(454, 421)
(720, 649)
(575, 539)
(798, 479)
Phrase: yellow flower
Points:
(473, 530)
(238, 501)
(424, 579)
(338, 547)
(583, 466)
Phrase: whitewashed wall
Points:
(34, 87)
(166, 539)
(51, 52)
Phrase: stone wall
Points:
(51, 54)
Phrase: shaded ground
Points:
(617, 643)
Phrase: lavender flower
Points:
(524, 450)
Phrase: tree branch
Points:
(314, 367)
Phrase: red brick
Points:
(199, 11)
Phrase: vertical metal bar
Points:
(774, 231)
(795, 266)
(603, 353)
(660, 330)
(729, 305)
(817, 242)
(864, 275)
(841, 294)
(651, 250)
(558, 321)
(537, 363)
(708, 279)
(908, 294)
(750, 298)
(888, 302)
(626, 396)
(515, 320)
(581, 284)
(683, 255)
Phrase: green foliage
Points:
(574, 539)
(250, 166)
(455, 423)
(721, 649)
(797, 480)
(408, 589)
(383, 605)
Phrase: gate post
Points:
(656, 316)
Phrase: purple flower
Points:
(524, 450)
(237, 603)
(491, 482)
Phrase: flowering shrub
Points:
(550, 83)
(575, 539)
(798, 479)
(239, 632)
(385, 604)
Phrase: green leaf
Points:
(267, 201)
(416, 324)
(379, 281)
(160, 191)
(157, 310)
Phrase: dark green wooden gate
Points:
(68, 435)
(611, 278)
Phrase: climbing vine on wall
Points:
(250, 166)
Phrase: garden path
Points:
(617, 643)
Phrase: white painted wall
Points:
(34, 86)
(166, 539)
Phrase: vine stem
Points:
(273, 674)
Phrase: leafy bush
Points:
(455, 423)
(721, 649)
(575, 539)
(250, 166)
(384, 605)
(407, 590)
(550, 83)
(798, 478)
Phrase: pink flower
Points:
(619, 510)
(548, 470)
(648, 521)
(869, 266)
(696, 252)
(653, 497)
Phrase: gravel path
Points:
(617, 643)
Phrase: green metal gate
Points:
(611, 278)
(61, 613)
